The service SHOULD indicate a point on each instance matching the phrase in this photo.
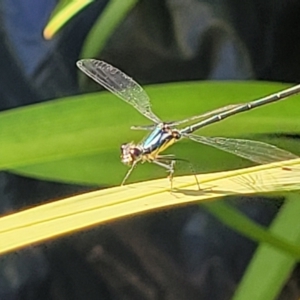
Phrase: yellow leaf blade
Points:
(86, 210)
(63, 16)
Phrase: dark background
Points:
(178, 253)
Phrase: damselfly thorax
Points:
(161, 138)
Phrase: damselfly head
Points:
(130, 153)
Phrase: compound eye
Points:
(136, 151)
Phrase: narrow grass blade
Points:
(271, 267)
(113, 14)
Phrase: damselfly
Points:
(164, 134)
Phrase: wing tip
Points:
(83, 62)
(79, 63)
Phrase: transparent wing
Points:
(202, 116)
(120, 84)
(258, 152)
(143, 127)
(206, 115)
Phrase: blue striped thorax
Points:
(162, 137)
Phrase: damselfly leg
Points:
(168, 165)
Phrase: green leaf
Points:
(242, 224)
(113, 14)
(77, 139)
(270, 268)
(111, 17)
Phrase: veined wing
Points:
(193, 118)
(206, 115)
(119, 84)
(256, 151)
(143, 127)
